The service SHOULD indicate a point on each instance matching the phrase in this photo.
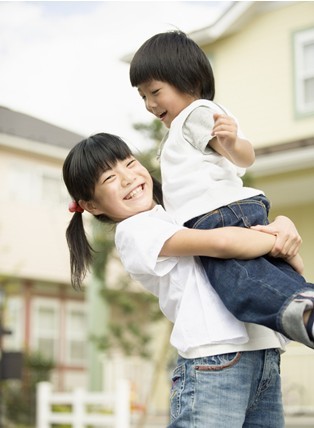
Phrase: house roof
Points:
(230, 21)
(233, 19)
(28, 128)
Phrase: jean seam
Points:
(215, 368)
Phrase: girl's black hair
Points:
(174, 58)
(81, 170)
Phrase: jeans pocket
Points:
(178, 382)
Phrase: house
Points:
(42, 310)
(263, 59)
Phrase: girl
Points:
(221, 360)
(202, 158)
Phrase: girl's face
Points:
(122, 191)
(164, 100)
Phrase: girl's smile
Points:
(122, 191)
(135, 192)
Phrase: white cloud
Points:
(61, 61)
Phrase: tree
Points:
(20, 396)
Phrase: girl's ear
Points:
(90, 207)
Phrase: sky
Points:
(61, 61)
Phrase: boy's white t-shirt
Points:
(202, 324)
(195, 178)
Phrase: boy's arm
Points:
(225, 243)
(227, 143)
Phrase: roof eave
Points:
(26, 146)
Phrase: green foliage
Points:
(248, 180)
(153, 131)
(103, 244)
(131, 314)
(20, 396)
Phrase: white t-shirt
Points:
(202, 324)
(195, 178)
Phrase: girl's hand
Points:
(297, 263)
(288, 240)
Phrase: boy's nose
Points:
(150, 104)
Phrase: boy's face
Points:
(164, 100)
(122, 191)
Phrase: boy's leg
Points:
(258, 290)
(295, 310)
(227, 390)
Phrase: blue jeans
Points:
(238, 390)
(257, 290)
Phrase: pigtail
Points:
(157, 191)
(81, 253)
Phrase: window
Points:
(75, 334)
(31, 184)
(46, 328)
(304, 71)
(13, 315)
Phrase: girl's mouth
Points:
(135, 192)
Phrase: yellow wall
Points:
(255, 75)
(33, 243)
(303, 218)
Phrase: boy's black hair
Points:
(81, 170)
(174, 58)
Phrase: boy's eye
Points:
(155, 92)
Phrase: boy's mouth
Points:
(162, 115)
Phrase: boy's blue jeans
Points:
(265, 290)
(238, 390)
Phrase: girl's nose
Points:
(127, 179)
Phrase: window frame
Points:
(38, 332)
(73, 335)
(300, 40)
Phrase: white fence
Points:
(97, 409)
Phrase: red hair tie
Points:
(74, 207)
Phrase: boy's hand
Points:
(227, 143)
(288, 240)
(225, 130)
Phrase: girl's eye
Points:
(108, 178)
(131, 162)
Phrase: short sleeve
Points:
(198, 127)
(139, 240)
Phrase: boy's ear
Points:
(90, 207)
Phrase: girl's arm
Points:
(224, 242)
(288, 240)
